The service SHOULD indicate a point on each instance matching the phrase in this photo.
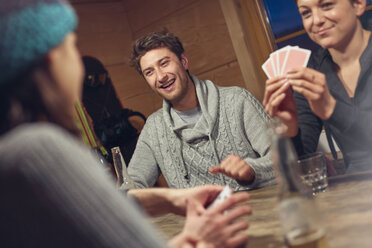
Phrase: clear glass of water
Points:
(313, 169)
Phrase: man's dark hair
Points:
(349, 0)
(154, 40)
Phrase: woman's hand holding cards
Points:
(279, 102)
(313, 86)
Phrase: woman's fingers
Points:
(271, 86)
(237, 212)
(286, 116)
(307, 85)
(313, 86)
(237, 227)
(307, 74)
(309, 79)
(276, 102)
(276, 99)
(235, 238)
(273, 110)
(308, 82)
(309, 94)
(283, 88)
(229, 202)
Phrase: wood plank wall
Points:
(107, 29)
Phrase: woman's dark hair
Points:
(34, 97)
(154, 40)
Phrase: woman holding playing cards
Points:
(334, 90)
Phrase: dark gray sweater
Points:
(351, 121)
(54, 194)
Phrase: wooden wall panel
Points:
(142, 13)
(227, 75)
(134, 84)
(261, 39)
(92, 1)
(104, 32)
(108, 48)
(202, 29)
(107, 29)
(245, 45)
(132, 90)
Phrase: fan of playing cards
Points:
(284, 59)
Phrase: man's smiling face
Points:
(166, 74)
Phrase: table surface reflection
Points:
(346, 208)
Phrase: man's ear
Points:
(185, 61)
(359, 7)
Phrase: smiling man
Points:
(203, 133)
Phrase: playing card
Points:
(296, 57)
(284, 59)
(268, 68)
(273, 64)
(223, 195)
(274, 59)
(282, 54)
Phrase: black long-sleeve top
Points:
(351, 122)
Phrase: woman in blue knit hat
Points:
(53, 191)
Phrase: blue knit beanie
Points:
(29, 29)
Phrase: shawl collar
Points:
(208, 98)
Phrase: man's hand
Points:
(234, 167)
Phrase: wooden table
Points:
(346, 208)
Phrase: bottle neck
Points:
(291, 182)
(285, 161)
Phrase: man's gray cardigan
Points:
(232, 122)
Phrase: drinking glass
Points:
(313, 171)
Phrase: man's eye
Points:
(164, 63)
(148, 73)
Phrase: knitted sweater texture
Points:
(232, 122)
(55, 193)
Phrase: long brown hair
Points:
(33, 97)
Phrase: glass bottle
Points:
(298, 214)
(123, 180)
